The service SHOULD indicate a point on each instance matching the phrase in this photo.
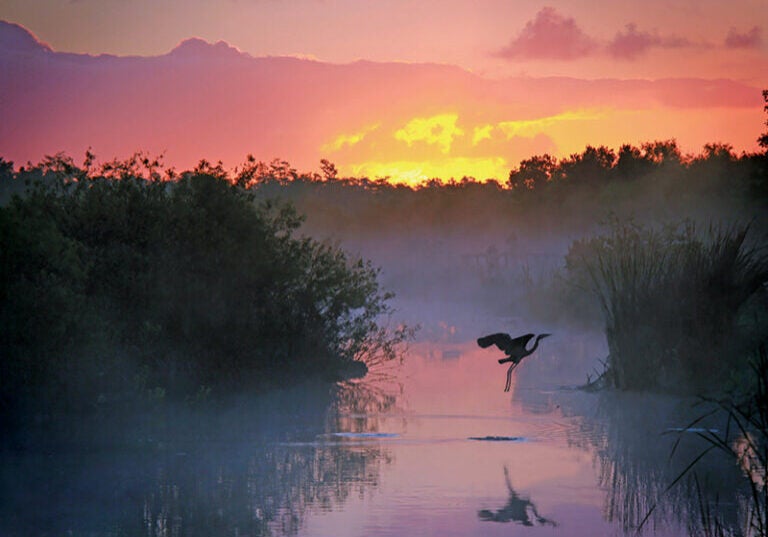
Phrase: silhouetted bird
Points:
(514, 349)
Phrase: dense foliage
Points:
(118, 281)
(655, 181)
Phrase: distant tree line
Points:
(597, 166)
(655, 180)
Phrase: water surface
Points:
(433, 448)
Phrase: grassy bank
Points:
(683, 307)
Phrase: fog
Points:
(469, 249)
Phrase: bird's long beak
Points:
(542, 336)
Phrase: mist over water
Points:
(432, 447)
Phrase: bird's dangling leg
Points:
(509, 377)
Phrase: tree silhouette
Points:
(763, 140)
(533, 173)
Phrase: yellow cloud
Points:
(349, 139)
(529, 128)
(416, 172)
(438, 130)
(482, 133)
(485, 151)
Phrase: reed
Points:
(671, 299)
(744, 441)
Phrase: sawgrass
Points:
(671, 299)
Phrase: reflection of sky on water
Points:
(591, 464)
(442, 482)
(389, 455)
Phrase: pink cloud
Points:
(749, 39)
(632, 42)
(549, 36)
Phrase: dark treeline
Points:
(655, 180)
(117, 285)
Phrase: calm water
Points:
(432, 448)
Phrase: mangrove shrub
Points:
(110, 277)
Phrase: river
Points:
(432, 446)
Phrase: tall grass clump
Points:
(673, 299)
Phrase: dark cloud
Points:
(553, 36)
(749, 39)
(631, 43)
(549, 36)
(16, 38)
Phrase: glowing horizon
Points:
(446, 147)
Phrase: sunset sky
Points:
(513, 102)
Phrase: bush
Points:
(671, 299)
(191, 281)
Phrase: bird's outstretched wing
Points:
(505, 342)
(500, 340)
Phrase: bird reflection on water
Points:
(518, 509)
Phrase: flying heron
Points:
(514, 349)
